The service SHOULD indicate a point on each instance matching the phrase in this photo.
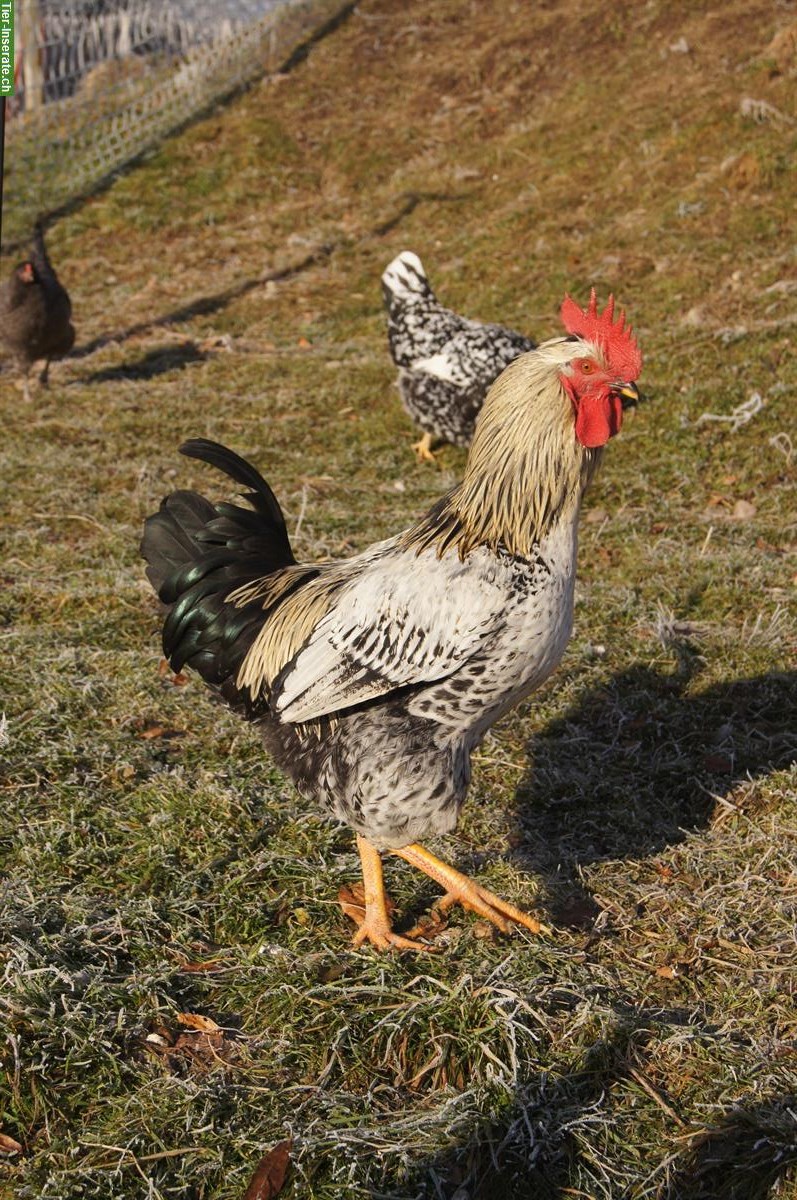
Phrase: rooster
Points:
(35, 312)
(373, 679)
(446, 363)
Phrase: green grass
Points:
(643, 804)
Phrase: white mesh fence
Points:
(98, 81)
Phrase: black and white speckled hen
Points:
(373, 679)
(35, 312)
(446, 363)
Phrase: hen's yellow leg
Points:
(423, 449)
(376, 927)
(460, 889)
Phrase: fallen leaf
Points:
(160, 1034)
(210, 964)
(199, 1046)
(269, 1177)
(9, 1145)
(197, 1021)
(165, 672)
(667, 972)
(303, 343)
(428, 926)
(352, 901)
(745, 171)
(150, 732)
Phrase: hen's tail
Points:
(198, 553)
(404, 281)
(39, 256)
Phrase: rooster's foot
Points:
(370, 906)
(460, 889)
(380, 934)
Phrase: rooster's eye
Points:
(586, 366)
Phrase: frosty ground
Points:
(643, 805)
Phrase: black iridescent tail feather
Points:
(197, 553)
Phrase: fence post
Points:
(31, 60)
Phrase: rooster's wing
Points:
(403, 622)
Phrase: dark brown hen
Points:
(35, 312)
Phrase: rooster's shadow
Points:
(531, 1153)
(743, 1157)
(637, 764)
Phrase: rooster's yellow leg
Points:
(423, 449)
(460, 889)
(376, 927)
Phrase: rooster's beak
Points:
(628, 393)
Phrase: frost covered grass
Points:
(156, 864)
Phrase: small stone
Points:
(743, 510)
(694, 318)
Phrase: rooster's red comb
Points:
(616, 342)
